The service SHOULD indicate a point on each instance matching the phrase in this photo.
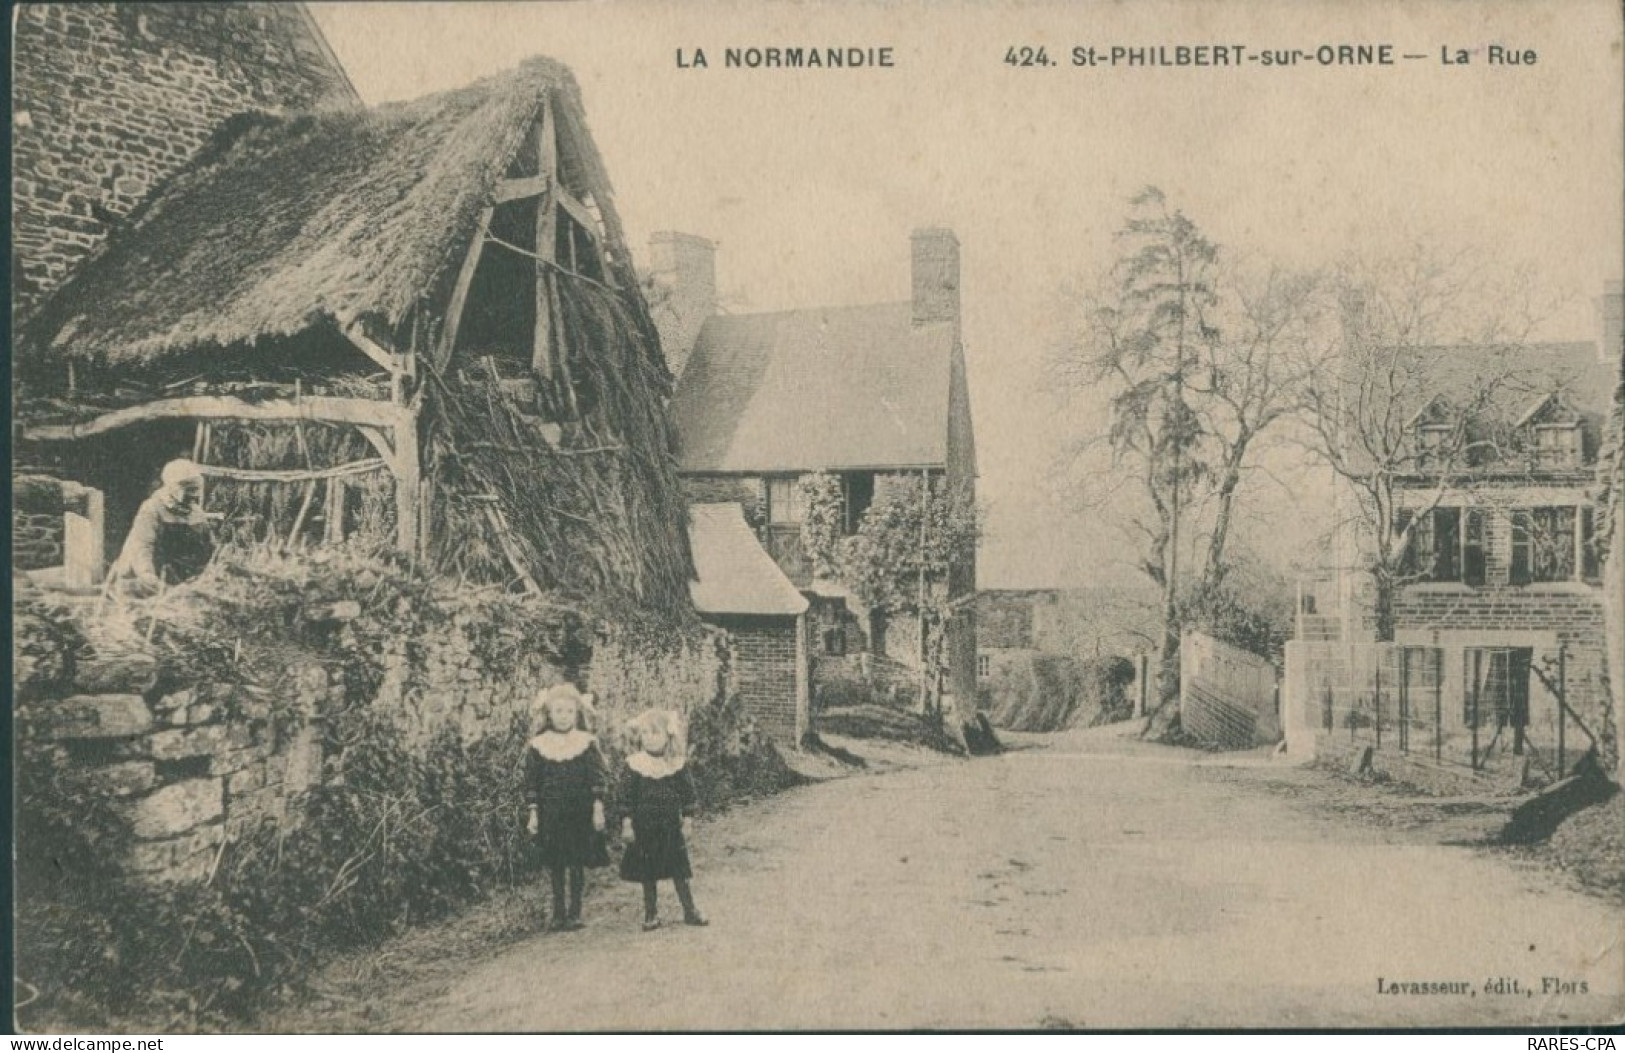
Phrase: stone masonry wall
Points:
(36, 523)
(108, 99)
(192, 764)
(187, 765)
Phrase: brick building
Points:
(1498, 653)
(740, 589)
(873, 394)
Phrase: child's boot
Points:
(651, 907)
(559, 920)
(685, 896)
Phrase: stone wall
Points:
(36, 523)
(36, 539)
(192, 763)
(108, 99)
(187, 765)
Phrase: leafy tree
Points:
(1193, 359)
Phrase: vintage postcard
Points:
(648, 516)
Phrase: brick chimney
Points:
(936, 276)
(1610, 311)
(684, 270)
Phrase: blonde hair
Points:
(668, 720)
(541, 714)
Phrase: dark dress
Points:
(657, 807)
(563, 793)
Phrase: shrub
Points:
(1045, 692)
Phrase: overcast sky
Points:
(811, 181)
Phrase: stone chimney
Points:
(936, 276)
(684, 272)
(1610, 311)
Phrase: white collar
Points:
(651, 767)
(561, 746)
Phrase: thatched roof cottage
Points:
(430, 298)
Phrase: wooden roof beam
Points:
(390, 361)
(326, 408)
(547, 163)
(518, 189)
(459, 292)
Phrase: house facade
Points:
(1497, 661)
(874, 395)
(109, 100)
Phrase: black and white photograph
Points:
(640, 516)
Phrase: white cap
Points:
(181, 471)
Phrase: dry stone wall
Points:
(186, 766)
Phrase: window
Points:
(1472, 547)
(1551, 544)
(1439, 545)
(1446, 544)
(785, 503)
(835, 641)
(1544, 543)
(1432, 444)
(984, 665)
(1590, 546)
(1557, 446)
(857, 494)
(1497, 687)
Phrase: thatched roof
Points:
(282, 223)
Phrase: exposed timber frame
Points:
(391, 428)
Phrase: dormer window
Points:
(1557, 445)
(1432, 444)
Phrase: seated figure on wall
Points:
(170, 540)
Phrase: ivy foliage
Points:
(907, 546)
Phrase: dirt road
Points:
(1092, 883)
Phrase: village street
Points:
(1089, 881)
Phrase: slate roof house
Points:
(1498, 615)
(418, 320)
(873, 394)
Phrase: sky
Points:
(810, 181)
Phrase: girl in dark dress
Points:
(659, 800)
(565, 780)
